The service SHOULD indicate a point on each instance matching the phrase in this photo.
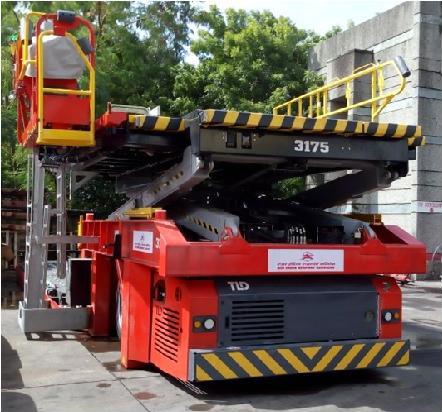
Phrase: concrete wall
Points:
(412, 30)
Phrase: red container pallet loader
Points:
(205, 271)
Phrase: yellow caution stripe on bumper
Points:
(156, 123)
(230, 118)
(272, 360)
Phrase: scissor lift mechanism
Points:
(201, 214)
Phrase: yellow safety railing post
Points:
(310, 105)
(25, 62)
(325, 102)
(40, 77)
(374, 92)
(318, 103)
(348, 91)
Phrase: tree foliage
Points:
(13, 156)
(99, 197)
(247, 61)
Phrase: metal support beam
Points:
(75, 184)
(33, 287)
(67, 239)
(34, 315)
(44, 320)
(119, 213)
(61, 220)
(179, 179)
(346, 187)
(208, 223)
(15, 248)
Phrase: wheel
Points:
(118, 312)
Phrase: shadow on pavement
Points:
(16, 401)
(11, 379)
(11, 365)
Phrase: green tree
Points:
(332, 32)
(99, 197)
(248, 61)
(138, 46)
(13, 157)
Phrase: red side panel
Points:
(136, 310)
(110, 119)
(390, 298)
(66, 109)
(102, 295)
(163, 247)
(202, 300)
(172, 332)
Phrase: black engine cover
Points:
(291, 310)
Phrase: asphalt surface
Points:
(71, 372)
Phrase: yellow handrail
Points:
(67, 91)
(318, 99)
(25, 61)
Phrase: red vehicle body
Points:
(224, 280)
(172, 283)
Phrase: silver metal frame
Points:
(209, 223)
(179, 179)
(45, 320)
(61, 220)
(34, 314)
(35, 256)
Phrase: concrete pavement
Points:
(71, 372)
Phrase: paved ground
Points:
(70, 372)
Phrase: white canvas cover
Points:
(61, 60)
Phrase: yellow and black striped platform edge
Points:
(212, 117)
(156, 123)
(285, 360)
(416, 141)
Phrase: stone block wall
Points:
(412, 30)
